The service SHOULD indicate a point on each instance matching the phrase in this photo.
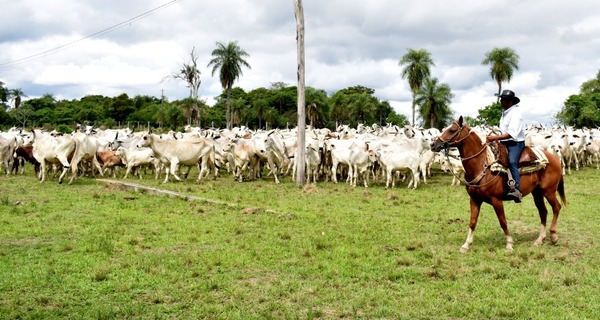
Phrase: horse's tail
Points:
(561, 191)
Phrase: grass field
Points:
(90, 250)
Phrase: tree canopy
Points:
(582, 109)
(503, 62)
(261, 108)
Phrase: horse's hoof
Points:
(464, 249)
(538, 243)
(554, 238)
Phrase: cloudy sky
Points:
(73, 48)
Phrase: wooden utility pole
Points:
(301, 150)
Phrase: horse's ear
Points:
(460, 121)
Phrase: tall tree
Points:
(228, 60)
(503, 62)
(300, 151)
(417, 68)
(317, 107)
(189, 73)
(192, 109)
(363, 108)
(3, 96)
(16, 95)
(434, 101)
(489, 115)
(261, 107)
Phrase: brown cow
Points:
(108, 160)
(22, 154)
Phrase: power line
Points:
(101, 32)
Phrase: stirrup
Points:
(511, 184)
(515, 194)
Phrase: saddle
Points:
(532, 159)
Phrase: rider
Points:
(512, 136)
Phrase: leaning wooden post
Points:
(301, 150)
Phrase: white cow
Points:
(240, 156)
(174, 152)
(452, 162)
(7, 148)
(359, 164)
(340, 154)
(394, 161)
(136, 157)
(85, 149)
(268, 147)
(52, 150)
(559, 147)
(312, 162)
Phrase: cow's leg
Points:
(475, 206)
(202, 168)
(242, 169)
(174, 168)
(97, 165)
(415, 178)
(62, 175)
(74, 167)
(167, 172)
(273, 168)
(129, 166)
(42, 173)
(334, 171)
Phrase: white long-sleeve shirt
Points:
(512, 123)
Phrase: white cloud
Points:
(348, 43)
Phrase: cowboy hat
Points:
(508, 94)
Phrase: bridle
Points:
(450, 142)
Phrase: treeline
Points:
(583, 109)
(262, 108)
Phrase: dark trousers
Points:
(514, 153)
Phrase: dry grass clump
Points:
(310, 188)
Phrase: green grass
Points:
(328, 251)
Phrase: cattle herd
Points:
(361, 155)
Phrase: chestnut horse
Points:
(483, 185)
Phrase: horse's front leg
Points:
(499, 209)
(475, 209)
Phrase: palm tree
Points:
(416, 70)
(312, 113)
(434, 103)
(16, 95)
(261, 106)
(502, 61)
(362, 108)
(192, 109)
(228, 60)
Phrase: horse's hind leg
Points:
(538, 199)
(499, 209)
(551, 197)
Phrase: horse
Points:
(485, 185)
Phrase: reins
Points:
(473, 183)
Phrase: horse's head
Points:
(451, 136)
